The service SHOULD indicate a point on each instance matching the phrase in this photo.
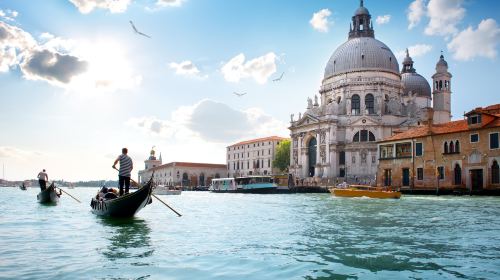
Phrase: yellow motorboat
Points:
(361, 190)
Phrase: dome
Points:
(416, 84)
(360, 54)
(361, 11)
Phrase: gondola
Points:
(124, 206)
(23, 187)
(49, 195)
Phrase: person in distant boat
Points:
(42, 179)
(125, 171)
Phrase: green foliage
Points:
(282, 159)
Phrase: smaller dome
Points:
(442, 62)
(361, 11)
(416, 84)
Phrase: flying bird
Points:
(239, 94)
(137, 31)
(279, 79)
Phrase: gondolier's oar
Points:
(69, 194)
(166, 205)
(132, 180)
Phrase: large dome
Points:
(361, 54)
(416, 84)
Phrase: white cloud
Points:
(444, 15)
(481, 42)
(186, 68)
(213, 122)
(173, 3)
(416, 11)
(9, 15)
(260, 68)
(415, 51)
(114, 6)
(74, 65)
(319, 20)
(383, 19)
(16, 153)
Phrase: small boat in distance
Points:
(167, 190)
(363, 191)
(23, 187)
(49, 195)
(125, 206)
(249, 184)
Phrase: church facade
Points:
(364, 98)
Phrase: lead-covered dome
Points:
(361, 54)
(413, 82)
(416, 84)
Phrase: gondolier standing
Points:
(42, 179)
(125, 171)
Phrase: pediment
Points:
(367, 121)
(308, 119)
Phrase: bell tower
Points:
(441, 84)
(152, 161)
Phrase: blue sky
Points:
(77, 84)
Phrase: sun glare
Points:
(109, 68)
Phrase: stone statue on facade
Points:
(309, 103)
(291, 118)
(316, 104)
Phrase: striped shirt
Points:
(125, 165)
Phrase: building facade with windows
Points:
(185, 174)
(253, 157)
(462, 154)
(364, 98)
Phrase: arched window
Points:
(495, 173)
(457, 147)
(458, 174)
(371, 137)
(440, 85)
(445, 147)
(355, 105)
(369, 104)
(452, 147)
(363, 136)
(356, 137)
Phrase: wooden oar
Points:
(69, 194)
(132, 180)
(166, 205)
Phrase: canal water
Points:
(244, 236)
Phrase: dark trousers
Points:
(123, 180)
(43, 184)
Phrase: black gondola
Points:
(49, 195)
(124, 206)
(23, 187)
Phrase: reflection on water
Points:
(128, 238)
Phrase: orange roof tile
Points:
(270, 138)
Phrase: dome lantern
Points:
(361, 22)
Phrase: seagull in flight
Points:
(137, 31)
(279, 79)
(239, 94)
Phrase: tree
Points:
(282, 159)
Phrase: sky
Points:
(77, 83)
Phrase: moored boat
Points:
(49, 195)
(166, 190)
(364, 191)
(123, 206)
(250, 184)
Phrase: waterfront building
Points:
(185, 174)
(252, 157)
(363, 98)
(462, 154)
